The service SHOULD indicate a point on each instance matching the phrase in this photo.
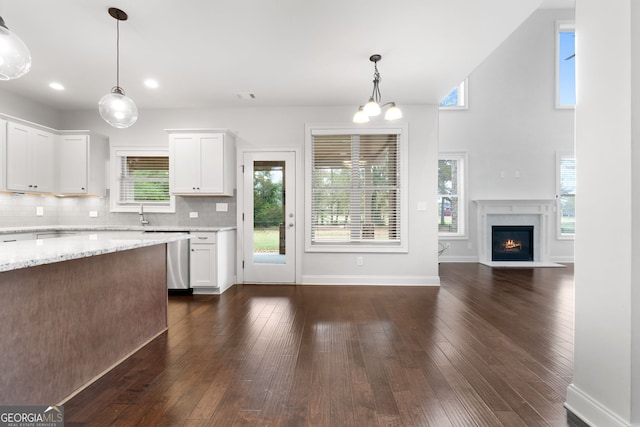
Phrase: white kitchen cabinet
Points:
(30, 159)
(212, 261)
(3, 153)
(82, 164)
(202, 162)
(15, 237)
(202, 261)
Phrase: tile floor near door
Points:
(490, 347)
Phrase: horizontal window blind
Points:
(567, 195)
(356, 189)
(144, 179)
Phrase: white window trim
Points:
(561, 26)
(114, 196)
(462, 198)
(559, 234)
(403, 133)
(463, 88)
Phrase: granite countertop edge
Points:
(35, 252)
(58, 228)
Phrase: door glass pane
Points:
(269, 212)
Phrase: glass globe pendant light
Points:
(116, 108)
(15, 59)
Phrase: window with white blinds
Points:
(142, 179)
(356, 190)
(451, 190)
(567, 194)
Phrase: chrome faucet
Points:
(143, 220)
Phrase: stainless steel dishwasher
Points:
(178, 266)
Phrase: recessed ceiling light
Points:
(56, 86)
(151, 83)
(246, 95)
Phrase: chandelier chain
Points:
(375, 95)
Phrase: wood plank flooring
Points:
(490, 347)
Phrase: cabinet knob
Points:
(30, 186)
(35, 186)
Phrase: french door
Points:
(269, 220)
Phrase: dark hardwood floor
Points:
(490, 347)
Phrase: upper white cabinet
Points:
(3, 152)
(30, 159)
(202, 162)
(82, 159)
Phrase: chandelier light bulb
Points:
(372, 108)
(393, 112)
(15, 59)
(360, 116)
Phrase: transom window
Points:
(357, 192)
(456, 99)
(565, 64)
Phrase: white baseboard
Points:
(371, 280)
(467, 259)
(590, 410)
(563, 259)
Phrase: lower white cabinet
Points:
(212, 261)
(14, 237)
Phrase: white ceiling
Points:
(286, 52)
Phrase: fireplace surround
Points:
(536, 213)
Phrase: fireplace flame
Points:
(512, 245)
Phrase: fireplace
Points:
(512, 243)
(537, 213)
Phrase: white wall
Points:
(605, 386)
(285, 127)
(512, 125)
(16, 106)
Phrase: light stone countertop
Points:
(62, 228)
(29, 253)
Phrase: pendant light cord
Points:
(118, 53)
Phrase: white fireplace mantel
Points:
(516, 212)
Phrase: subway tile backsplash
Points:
(20, 210)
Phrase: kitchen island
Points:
(74, 307)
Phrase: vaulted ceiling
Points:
(286, 52)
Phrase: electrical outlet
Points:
(193, 214)
(469, 245)
(39, 211)
(222, 207)
(359, 261)
(93, 214)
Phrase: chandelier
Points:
(374, 107)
